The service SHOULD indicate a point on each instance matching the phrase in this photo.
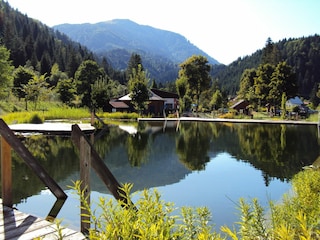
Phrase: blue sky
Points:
(225, 29)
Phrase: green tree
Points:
(196, 71)
(101, 94)
(216, 100)
(36, 89)
(270, 53)
(21, 77)
(134, 62)
(56, 75)
(87, 73)
(182, 89)
(247, 85)
(262, 83)
(6, 70)
(138, 87)
(283, 80)
(66, 89)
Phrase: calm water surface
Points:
(192, 164)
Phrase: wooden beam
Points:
(6, 173)
(85, 166)
(24, 153)
(98, 165)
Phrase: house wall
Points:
(156, 108)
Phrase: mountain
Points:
(302, 54)
(161, 51)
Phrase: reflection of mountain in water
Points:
(161, 168)
(156, 157)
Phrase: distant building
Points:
(118, 106)
(158, 102)
(241, 106)
(293, 102)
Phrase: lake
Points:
(191, 164)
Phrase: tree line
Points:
(49, 65)
(302, 54)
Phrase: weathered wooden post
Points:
(6, 173)
(85, 165)
(23, 152)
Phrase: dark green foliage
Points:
(5, 69)
(21, 77)
(101, 94)
(31, 41)
(134, 62)
(35, 118)
(267, 84)
(87, 73)
(302, 54)
(66, 89)
(138, 87)
(193, 78)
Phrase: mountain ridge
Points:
(106, 36)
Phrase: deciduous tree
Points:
(195, 70)
(66, 89)
(138, 87)
(87, 73)
(283, 80)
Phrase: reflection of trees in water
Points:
(55, 154)
(138, 149)
(193, 144)
(278, 150)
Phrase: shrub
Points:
(35, 118)
(297, 217)
(154, 218)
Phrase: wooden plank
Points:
(100, 168)
(18, 225)
(97, 164)
(85, 165)
(24, 153)
(6, 173)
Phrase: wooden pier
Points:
(54, 128)
(18, 225)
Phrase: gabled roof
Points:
(241, 102)
(125, 98)
(152, 97)
(164, 94)
(118, 104)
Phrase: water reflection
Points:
(158, 155)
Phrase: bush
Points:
(35, 118)
(297, 217)
(154, 218)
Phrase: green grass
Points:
(51, 114)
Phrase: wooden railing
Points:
(88, 158)
(10, 141)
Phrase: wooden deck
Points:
(50, 128)
(18, 225)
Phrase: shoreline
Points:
(230, 120)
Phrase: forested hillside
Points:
(34, 44)
(303, 54)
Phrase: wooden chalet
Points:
(158, 102)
